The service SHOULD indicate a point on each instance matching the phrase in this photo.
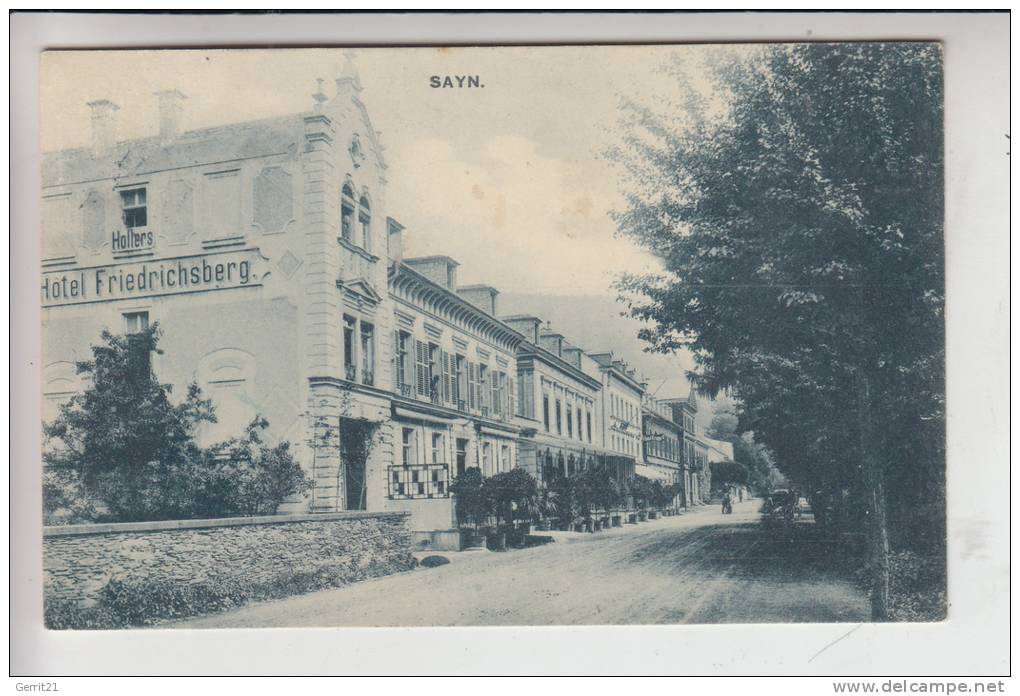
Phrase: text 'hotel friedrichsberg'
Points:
(266, 252)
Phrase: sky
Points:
(509, 178)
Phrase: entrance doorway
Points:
(356, 439)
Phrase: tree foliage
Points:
(471, 502)
(798, 212)
(122, 450)
(511, 495)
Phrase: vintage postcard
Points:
(494, 336)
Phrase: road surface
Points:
(702, 567)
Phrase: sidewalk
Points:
(694, 516)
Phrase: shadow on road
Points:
(757, 572)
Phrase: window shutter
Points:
(421, 367)
(447, 370)
(471, 379)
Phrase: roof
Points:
(280, 135)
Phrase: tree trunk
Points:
(878, 533)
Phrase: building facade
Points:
(663, 446)
(620, 403)
(559, 392)
(269, 256)
(252, 245)
(454, 390)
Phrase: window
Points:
(483, 381)
(407, 446)
(438, 448)
(347, 213)
(526, 395)
(486, 459)
(350, 369)
(462, 445)
(472, 385)
(545, 411)
(435, 374)
(421, 368)
(400, 358)
(448, 380)
(136, 322)
(460, 381)
(419, 481)
(132, 205)
(588, 418)
(496, 389)
(559, 417)
(365, 222)
(367, 354)
(570, 421)
(504, 458)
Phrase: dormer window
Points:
(347, 213)
(365, 223)
(133, 208)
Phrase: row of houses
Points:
(267, 253)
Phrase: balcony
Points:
(351, 373)
(368, 378)
(417, 481)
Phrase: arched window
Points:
(227, 377)
(365, 222)
(60, 382)
(347, 213)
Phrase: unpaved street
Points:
(702, 567)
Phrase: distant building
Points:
(685, 410)
(663, 436)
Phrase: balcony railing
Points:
(368, 377)
(419, 481)
(351, 372)
(406, 390)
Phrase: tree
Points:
(245, 476)
(726, 474)
(755, 457)
(597, 489)
(798, 213)
(473, 505)
(121, 450)
(511, 490)
(121, 442)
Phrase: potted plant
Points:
(511, 495)
(471, 506)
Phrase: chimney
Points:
(394, 240)
(170, 108)
(482, 296)
(349, 82)
(525, 324)
(552, 342)
(104, 126)
(441, 270)
(573, 356)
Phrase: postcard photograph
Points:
(493, 336)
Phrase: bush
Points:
(508, 490)
(917, 585)
(472, 505)
(124, 447)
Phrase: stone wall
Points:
(79, 560)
